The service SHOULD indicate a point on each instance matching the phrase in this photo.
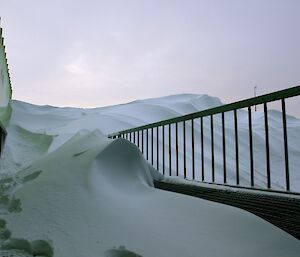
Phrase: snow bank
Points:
(67, 190)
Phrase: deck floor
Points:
(282, 211)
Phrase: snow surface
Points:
(68, 190)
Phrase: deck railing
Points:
(162, 134)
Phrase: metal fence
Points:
(159, 142)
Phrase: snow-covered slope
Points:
(67, 190)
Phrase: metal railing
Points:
(144, 138)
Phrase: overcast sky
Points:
(89, 53)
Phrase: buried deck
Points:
(281, 210)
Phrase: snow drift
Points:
(67, 190)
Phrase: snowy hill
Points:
(68, 190)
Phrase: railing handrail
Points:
(274, 96)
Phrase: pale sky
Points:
(89, 53)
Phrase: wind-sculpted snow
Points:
(92, 194)
(82, 194)
(124, 162)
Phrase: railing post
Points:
(163, 148)
(224, 148)
(236, 148)
(147, 145)
(152, 146)
(286, 149)
(184, 151)
(212, 148)
(176, 130)
(267, 145)
(193, 149)
(142, 141)
(202, 149)
(251, 146)
(170, 151)
(157, 148)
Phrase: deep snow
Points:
(67, 190)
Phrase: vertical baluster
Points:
(152, 146)
(286, 150)
(236, 148)
(138, 139)
(184, 150)
(224, 148)
(134, 137)
(157, 148)
(176, 129)
(142, 141)
(202, 149)
(251, 146)
(212, 148)
(170, 151)
(267, 145)
(147, 145)
(193, 149)
(163, 148)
